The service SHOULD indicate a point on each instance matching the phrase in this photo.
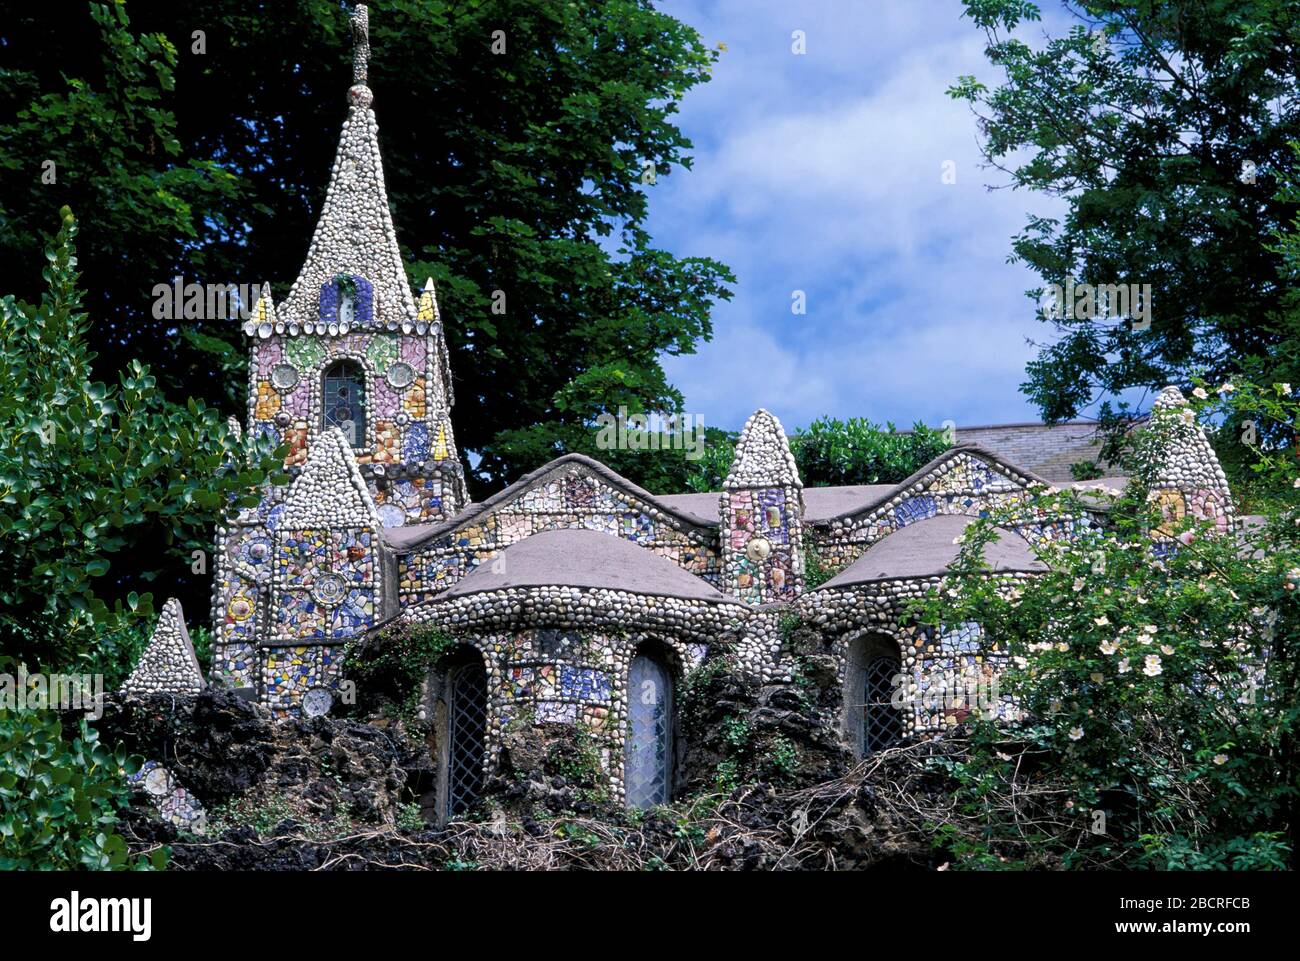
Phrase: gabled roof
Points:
(926, 548)
(415, 535)
(917, 480)
(584, 559)
(700, 510)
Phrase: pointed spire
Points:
(330, 491)
(262, 321)
(1187, 461)
(763, 457)
(355, 234)
(427, 310)
(168, 664)
(360, 45)
(1170, 397)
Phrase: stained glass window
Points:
(648, 764)
(466, 730)
(345, 400)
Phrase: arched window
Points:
(872, 723)
(344, 401)
(648, 763)
(466, 736)
(882, 723)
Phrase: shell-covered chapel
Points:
(573, 595)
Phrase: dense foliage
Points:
(855, 451)
(95, 472)
(1164, 127)
(519, 179)
(1159, 685)
(60, 798)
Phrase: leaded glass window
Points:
(345, 400)
(648, 763)
(882, 723)
(466, 731)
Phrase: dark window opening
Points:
(466, 737)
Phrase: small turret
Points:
(762, 516)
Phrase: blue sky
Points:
(822, 172)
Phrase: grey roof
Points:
(588, 559)
(697, 510)
(926, 548)
(1046, 449)
(820, 503)
(413, 535)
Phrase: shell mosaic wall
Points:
(574, 496)
(173, 802)
(351, 374)
(762, 514)
(548, 675)
(1190, 480)
(960, 483)
(940, 672)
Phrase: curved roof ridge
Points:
(927, 547)
(1016, 473)
(473, 512)
(586, 560)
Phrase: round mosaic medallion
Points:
(402, 419)
(401, 374)
(283, 419)
(241, 607)
(257, 551)
(317, 702)
(158, 782)
(329, 589)
(758, 548)
(391, 515)
(284, 376)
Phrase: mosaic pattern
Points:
(553, 675)
(570, 498)
(174, 803)
(168, 663)
(762, 530)
(301, 573)
(288, 673)
(959, 483)
(327, 580)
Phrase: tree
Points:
(519, 168)
(1158, 687)
(93, 474)
(1164, 127)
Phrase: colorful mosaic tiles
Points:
(174, 803)
(567, 676)
(571, 498)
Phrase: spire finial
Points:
(360, 45)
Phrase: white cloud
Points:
(822, 173)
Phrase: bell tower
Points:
(351, 370)
(351, 347)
